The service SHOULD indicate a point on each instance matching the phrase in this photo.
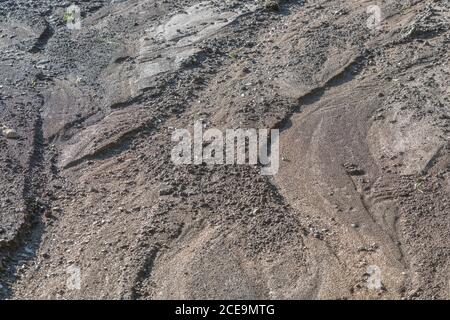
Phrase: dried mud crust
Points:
(364, 179)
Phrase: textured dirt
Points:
(88, 183)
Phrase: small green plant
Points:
(418, 185)
(285, 158)
(233, 56)
(69, 16)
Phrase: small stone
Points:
(10, 133)
(28, 250)
(355, 225)
(41, 62)
(353, 170)
(165, 191)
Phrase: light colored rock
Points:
(10, 133)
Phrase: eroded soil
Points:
(88, 181)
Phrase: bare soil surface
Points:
(87, 181)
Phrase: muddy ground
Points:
(88, 187)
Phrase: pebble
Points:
(10, 134)
(165, 191)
